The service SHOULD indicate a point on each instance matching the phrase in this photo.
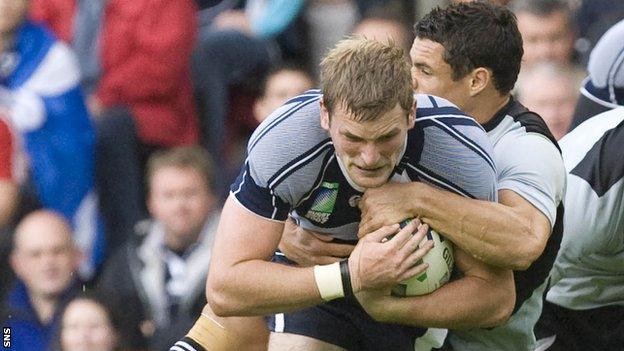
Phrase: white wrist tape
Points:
(329, 281)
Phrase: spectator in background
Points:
(134, 59)
(238, 46)
(280, 85)
(551, 90)
(160, 274)
(45, 260)
(548, 30)
(141, 62)
(496, 2)
(41, 98)
(594, 18)
(9, 194)
(603, 89)
(9, 198)
(380, 23)
(89, 323)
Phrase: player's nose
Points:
(370, 155)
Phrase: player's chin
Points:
(372, 181)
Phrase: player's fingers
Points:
(414, 271)
(404, 235)
(381, 233)
(412, 243)
(417, 255)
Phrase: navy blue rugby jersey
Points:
(292, 169)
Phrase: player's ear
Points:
(480, 77)
(324, 115)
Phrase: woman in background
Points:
(88, 324)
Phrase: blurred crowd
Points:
(123, 122)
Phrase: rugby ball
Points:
(440, 260)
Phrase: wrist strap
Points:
(346, 279)
(329, 281)
(211, 335)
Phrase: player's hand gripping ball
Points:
(440, 260)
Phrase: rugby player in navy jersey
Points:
(311, 160)
(470, 54)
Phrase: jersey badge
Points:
(323, 205)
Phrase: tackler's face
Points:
(368, 150)
(434, 76)
(12, 13)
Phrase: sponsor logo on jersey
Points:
(324, 203)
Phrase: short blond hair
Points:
(367, 78)
(193, 157)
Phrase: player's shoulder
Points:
(290, 139)
(592, 151)
(437, 112)
(441, 122)
(607, 126)
(430, 107)
(444, 134)
(296, 122)
(514, 124)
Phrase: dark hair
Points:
(283, 67)
(476, 34)
(97, 297)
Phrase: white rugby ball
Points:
(440, 260)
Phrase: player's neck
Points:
(487, 104)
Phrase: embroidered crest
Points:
(324, 203)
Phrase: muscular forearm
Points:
(477, 305)
(270, 289)
(491, 232)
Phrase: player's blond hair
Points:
(366, 78)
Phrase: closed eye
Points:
(424, 69)
(386, 138)
(353, 138)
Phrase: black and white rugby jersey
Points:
(589, 271)
(530, 164)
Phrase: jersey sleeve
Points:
(286, 154)
(457, 154)
(251, 190)
(531, 166)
